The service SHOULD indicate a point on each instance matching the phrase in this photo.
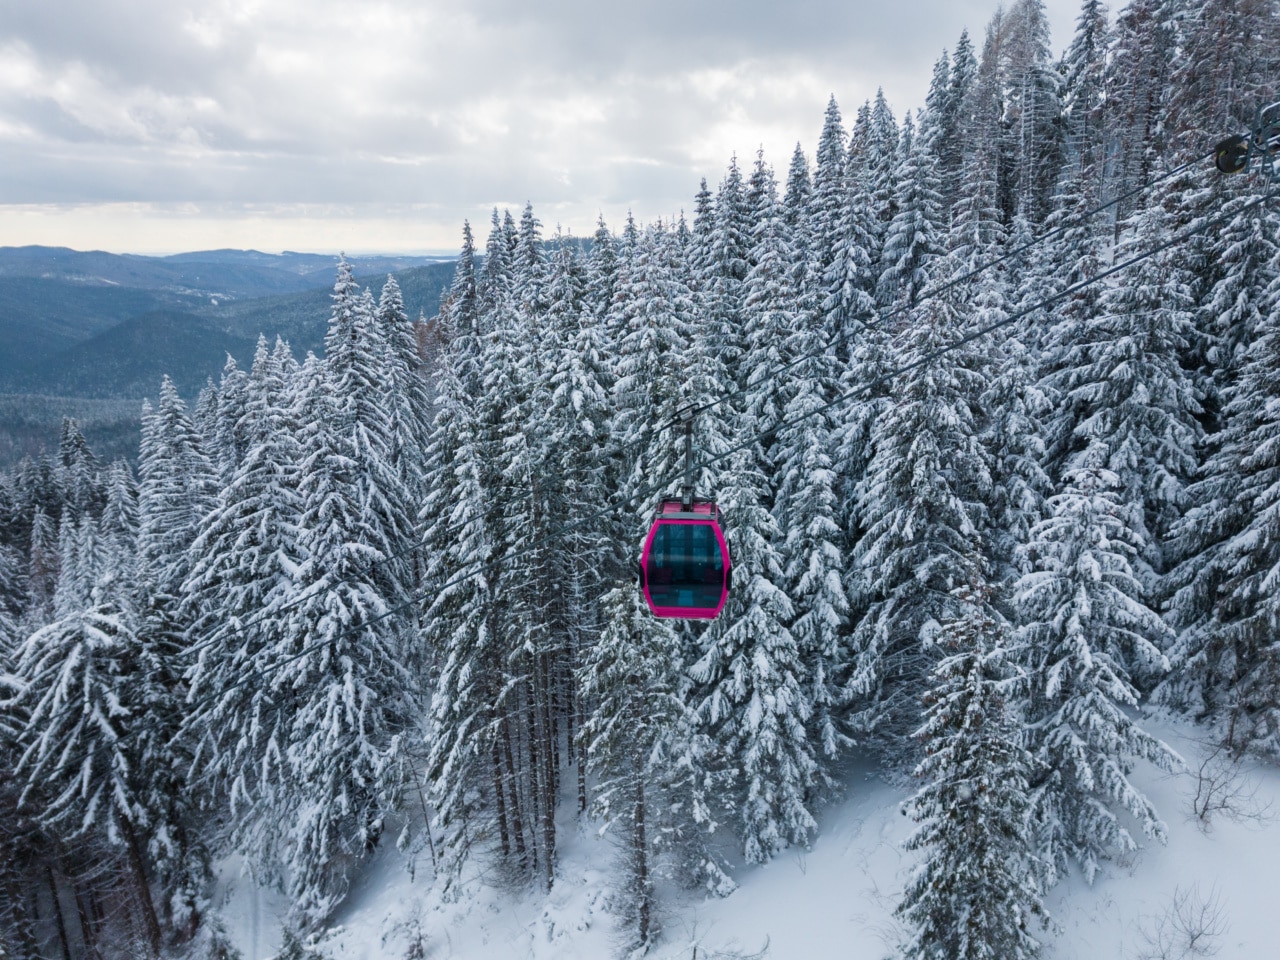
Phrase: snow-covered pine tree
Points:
(578, 416)
(1033, 110)
(977, 894)
(407, 392)
(846, 275)
(82, 686)
(769, 316)
(953, 118)
(227, 443)
(42, 570)
(1072, 258)
(1083, 621)
(922, 508)
(1131, 392)
(246, 557)
(343, 653)
(883, 155)
(1137, 88)
(829, 192)
(467, 742)
(530, 265)
(655, 308)
(912, 238)
(725, 268)
(1227, 664)
(177, 486)
(1223, 70)
(797, 201)
(633, 679)
(79, 563)
(118, 528)
(748, 693)
(1084, 87)
(80, 471)
(807, 508)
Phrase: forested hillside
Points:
(83, 332)
(988, 394)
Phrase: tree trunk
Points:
(640, 853)
(499, 801)
(517, 822)
(142, 888)
(57, 914)
(580, 752)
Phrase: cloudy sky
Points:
(379, 125)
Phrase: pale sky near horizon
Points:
(157, 126)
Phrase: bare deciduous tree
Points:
(1224, 788)
(1192, 925)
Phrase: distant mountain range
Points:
(103, 328)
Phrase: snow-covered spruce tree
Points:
(227, 443)
(42, 570)
(340, 673)
(1130, 392)
(24, 847)
(82, 683)
(601, 271)
(498, 277)
(578, 414)
(1033, 110)
(807, 508)
(912, 239)
(845, 276)
(529, 265)
(1083, 622)
(1231, 274)
(539, 622)
(830, 191)
(1072, 258)
(633, 678)
(118, 527)
(917, 506)
(883, 156)
(724, 267)
(1084, 86)
(656, 308)
(246, 556)
(1224, 68)
(977, 892)
(1242, 261)
(922, 507)
(769, 316)
(469, 745)
(407, 394)
(80, 473)
(1012, 434)
(177, 486)
(951, 122)
(79, 564)
(1139, 64)
(797, 200)
(748, 693)
(1227, 665)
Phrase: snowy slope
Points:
(835, 901)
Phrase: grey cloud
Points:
(570, 104)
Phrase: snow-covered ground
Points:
(834, 901)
